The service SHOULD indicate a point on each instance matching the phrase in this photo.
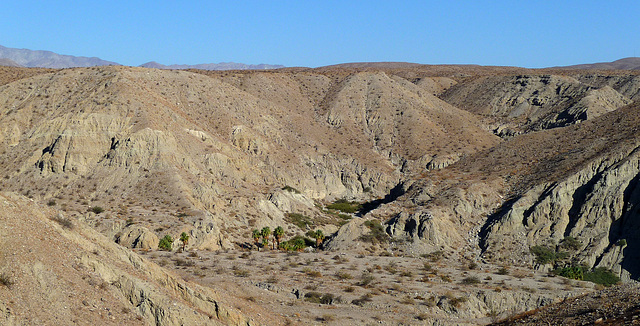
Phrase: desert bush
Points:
(316, 297)
(97, 209)
(342, 275)
(458, 301)
(572, 272)
(545, 255)
(309, 272)
(602, 276)
(51, 202)
(345, 206)
(376, 233)
(434, 256)
(365, 279)
(291, 189)
(299, 220)
(503, 271)
(184, 262)
(407, 300)
(239, 272)
(63, 221)
(166, 243)
(6, 280)
(470, 280)
(571, 243)
(362, 300)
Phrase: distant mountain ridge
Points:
(8, 63)
(48, 59)
(631, 63)
(213, 66)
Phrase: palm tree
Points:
(319, 236)
(256, 237)
(184, 237)
(266, 232)
(278, 233)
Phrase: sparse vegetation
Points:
(299, 220)
(599, 275)
(545, 255)
(291, 189)
(316, 297)
(184, 238)
(571, 243)
(97, 209)
(63, 221)
(6, 279)
(166, 243)
(471, 280)
(345, 206)
(376, 233)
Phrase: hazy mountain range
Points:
(47, 59)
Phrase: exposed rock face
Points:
(137, 237)
(540, 101)
(597, 205)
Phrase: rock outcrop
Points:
(58, 271)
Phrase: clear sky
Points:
(317, 33)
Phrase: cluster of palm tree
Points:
(297, 243)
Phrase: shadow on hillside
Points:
(393, 194)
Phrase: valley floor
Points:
(362, 289)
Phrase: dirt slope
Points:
(56, 271)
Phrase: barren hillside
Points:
(477, 164)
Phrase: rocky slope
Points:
(56, 271)
(217, 151)
(535, 189)
(481, 163)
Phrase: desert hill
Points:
(631, 63)
(477, 163)
(55, 271)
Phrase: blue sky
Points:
(317, 33)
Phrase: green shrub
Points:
(545, 255)
(345, 206)
(621, 242)
(571, 243)
(299, 220)
(602, 276)
(291, 189)
(365, 279)
(316, 297)
(362, 300)
(296, 243)
(573, 272)
(599, 275)
(470, 280)
(166, 243)
(97, 209)
(434, 256)
(376, 233)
